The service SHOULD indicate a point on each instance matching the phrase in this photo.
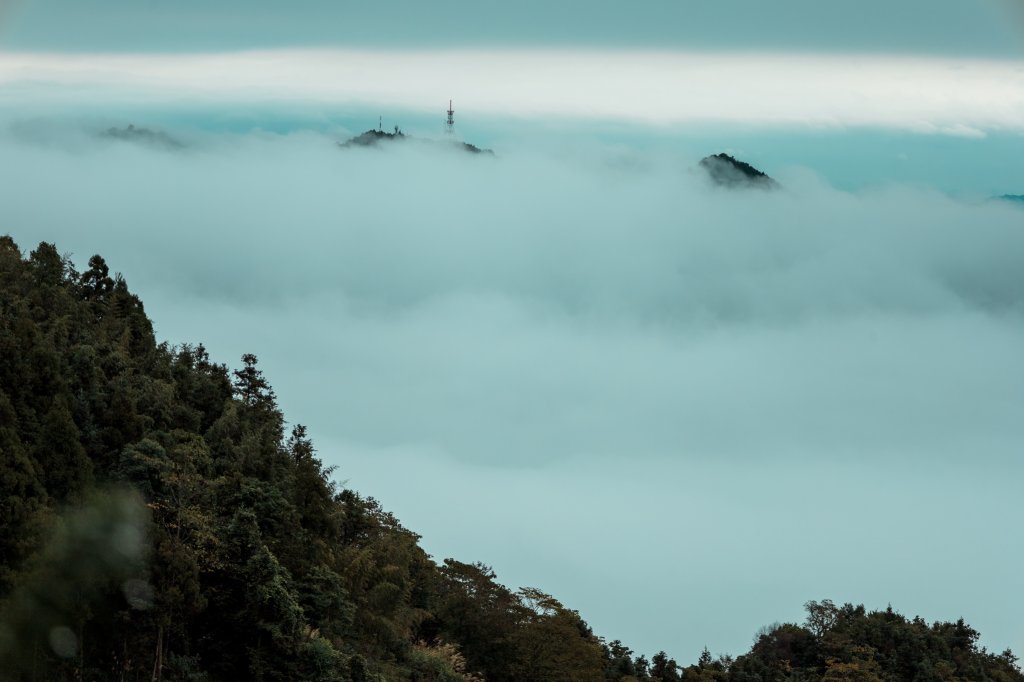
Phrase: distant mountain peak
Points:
(728, 171)
(372, 137)
(133, 133)
(376, 137)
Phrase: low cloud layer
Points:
(686, 410)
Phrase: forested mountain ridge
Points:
(158, 522)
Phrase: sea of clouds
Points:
(682, 409)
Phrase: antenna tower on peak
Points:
(450, 124)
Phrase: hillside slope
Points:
(157, 522)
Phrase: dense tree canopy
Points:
(158, 521)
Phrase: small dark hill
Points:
(376, 138)
(154, 138)
(1017, 198)
(726, 171)
(371, 138)
(473, 149)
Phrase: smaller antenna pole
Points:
(450, 124)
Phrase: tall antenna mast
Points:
(450, 126)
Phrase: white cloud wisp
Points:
(941, 95)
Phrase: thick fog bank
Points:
(680, 408)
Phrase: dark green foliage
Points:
(157, 523)
(84, 589)
(481, 614)
(22, 496)
(664, 668)
(554, 643)
(59, 453)
(849, 643)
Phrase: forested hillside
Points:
(159, 522)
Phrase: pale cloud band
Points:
(955, 96)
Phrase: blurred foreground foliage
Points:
(157, 522)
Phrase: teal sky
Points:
(971, 27)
